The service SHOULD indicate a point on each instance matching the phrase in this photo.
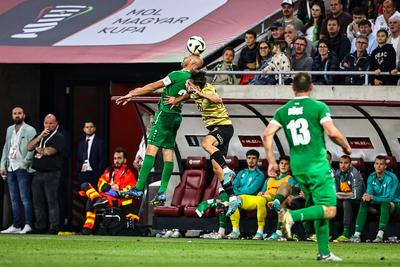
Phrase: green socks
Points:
(384, 217)
(145, 170)
(322, 232)
(311, 213)
(361, 217)
(346, 232)
(166, 175)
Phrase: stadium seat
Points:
(391, 164)
(189, 191)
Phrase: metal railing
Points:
(288, 73)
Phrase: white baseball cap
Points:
(287, 2)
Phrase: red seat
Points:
(359, 164)
(391, 164)
(189, 191)
(233, 162)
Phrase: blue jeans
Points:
(19, 185)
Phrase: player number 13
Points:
(299, 131)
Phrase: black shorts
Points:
(223, 133)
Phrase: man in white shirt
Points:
(16, 169)
(394, 26)
(389, 9)
(365, 29)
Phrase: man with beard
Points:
(15, 168)
(48, 147)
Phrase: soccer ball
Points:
(196, 45)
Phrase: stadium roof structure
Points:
(121, 31)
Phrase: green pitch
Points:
(87, 251)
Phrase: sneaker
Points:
(27, 228)
(176, 233)
(162, 233)
(159, 199)
(11, 230)
(258, 236)
(276, 205)
(355, 239)
(377, 239)
(133, 192)
(287, 222)
(168, 234)
(213, 235)
(86, 231)
(341, 238)
(312, 238)
(100, 203)
(229, 177)
(234, 235)
(233, 206)
(276, 237)
(329, 257)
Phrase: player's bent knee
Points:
(329, 212)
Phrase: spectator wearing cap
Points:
(394, 39)
(247, 58)
(313, 27)
(353, 28)
(358, 60)
(304, 10)
(343, 18)
(325, 60)
(383, 59)
(288, 17)
(389, 9)
(300, 60)
(290, 35)
(338, 42)
(365, 29)
(276, 32)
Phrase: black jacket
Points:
(247, 55)
(340, 45)
(355, 64)
(383, 58)
(331, 63)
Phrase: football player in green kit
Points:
(305, 121)
(165, 125)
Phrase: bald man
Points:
(48, 149)
(166, 123)
(16, 169)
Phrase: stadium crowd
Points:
(321, 36)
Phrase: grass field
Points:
(44, 250)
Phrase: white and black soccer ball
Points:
(196, 45)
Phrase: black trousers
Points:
(45, 186)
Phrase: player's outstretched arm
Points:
(336, 136)
(268, 138)
(148, 88)
(174, 101)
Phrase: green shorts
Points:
(318, 189)
(164, 128)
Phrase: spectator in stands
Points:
(264, 56)
(228, 55)
(383, 59)
(246, 185)
(112, 181)
(313, 27)
(279, 62)
(394, 39)
(338, 42)
(343, 18)
(16, 169)
(92, 158)
(288, 17)
(290, 35)
(382, 22)
(353, 29)
(300, 60)
(365, 29)
(356, 61)
(325, 60)
(48, 149)
(382, 196)
(247, 59)
(277, 32)
(305, 12)
(350, 188)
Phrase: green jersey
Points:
(175, 85)
(301, 119)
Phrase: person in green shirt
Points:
(305, 121)
(166, 123)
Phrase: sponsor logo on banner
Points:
(144, 22)
(250, 140)
(360, 142)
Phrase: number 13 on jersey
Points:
(299, 131)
